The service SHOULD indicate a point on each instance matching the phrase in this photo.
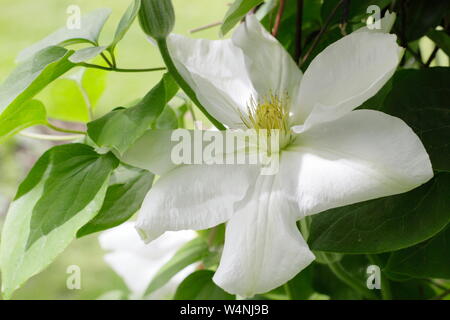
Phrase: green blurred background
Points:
(23, 22)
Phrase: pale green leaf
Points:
(71, 98)
(191, 252)
(236, 12)
(30, 113)
(86, 54)
(91, 26)
(64, 190)
(125, 22)
(28, 79)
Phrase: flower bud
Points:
(157, 18)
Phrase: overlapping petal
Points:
(363, 155)
(344, 75)
(215, 70)
(263, 247)
(194, 197)
(269, 66)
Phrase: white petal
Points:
(193, 197)
(364, 155)
(263, 247)
(344, 75)
(271, 68)
(215, 70)
(137, 263)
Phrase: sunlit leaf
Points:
(125, 22)
(237, 11)
(91, 25)
(28, 79)
(126, 192)
(64, 190)
(86, 54)
(74, 97)
(30, 113)
(120, 128)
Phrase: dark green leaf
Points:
(64, 190)
(429, 259)
(377, 101)
(412, 290)
(422, 99)
(126, 192)
(327, 39)
(91, 25)
(236, 12)
(199, 286)
(300, 287)
(384, 224)
(441, 39)
(417, 17)
(76, 174)
(121, 127)
(326, 282)
(357, 10)
(287, 29)
(191, 252)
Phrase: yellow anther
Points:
(269, 113)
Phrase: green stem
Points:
(345, 277)
(55, 128)
(106, 59)
(162, 44)
(385, 283)
(95, 66)
(321, 32)
(191, 111)
(113, 57)
(48, 137)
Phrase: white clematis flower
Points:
(334, 156)
(137, 263)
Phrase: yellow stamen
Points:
(268, 113)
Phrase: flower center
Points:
(269, 113)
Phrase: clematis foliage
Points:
(348, 100)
